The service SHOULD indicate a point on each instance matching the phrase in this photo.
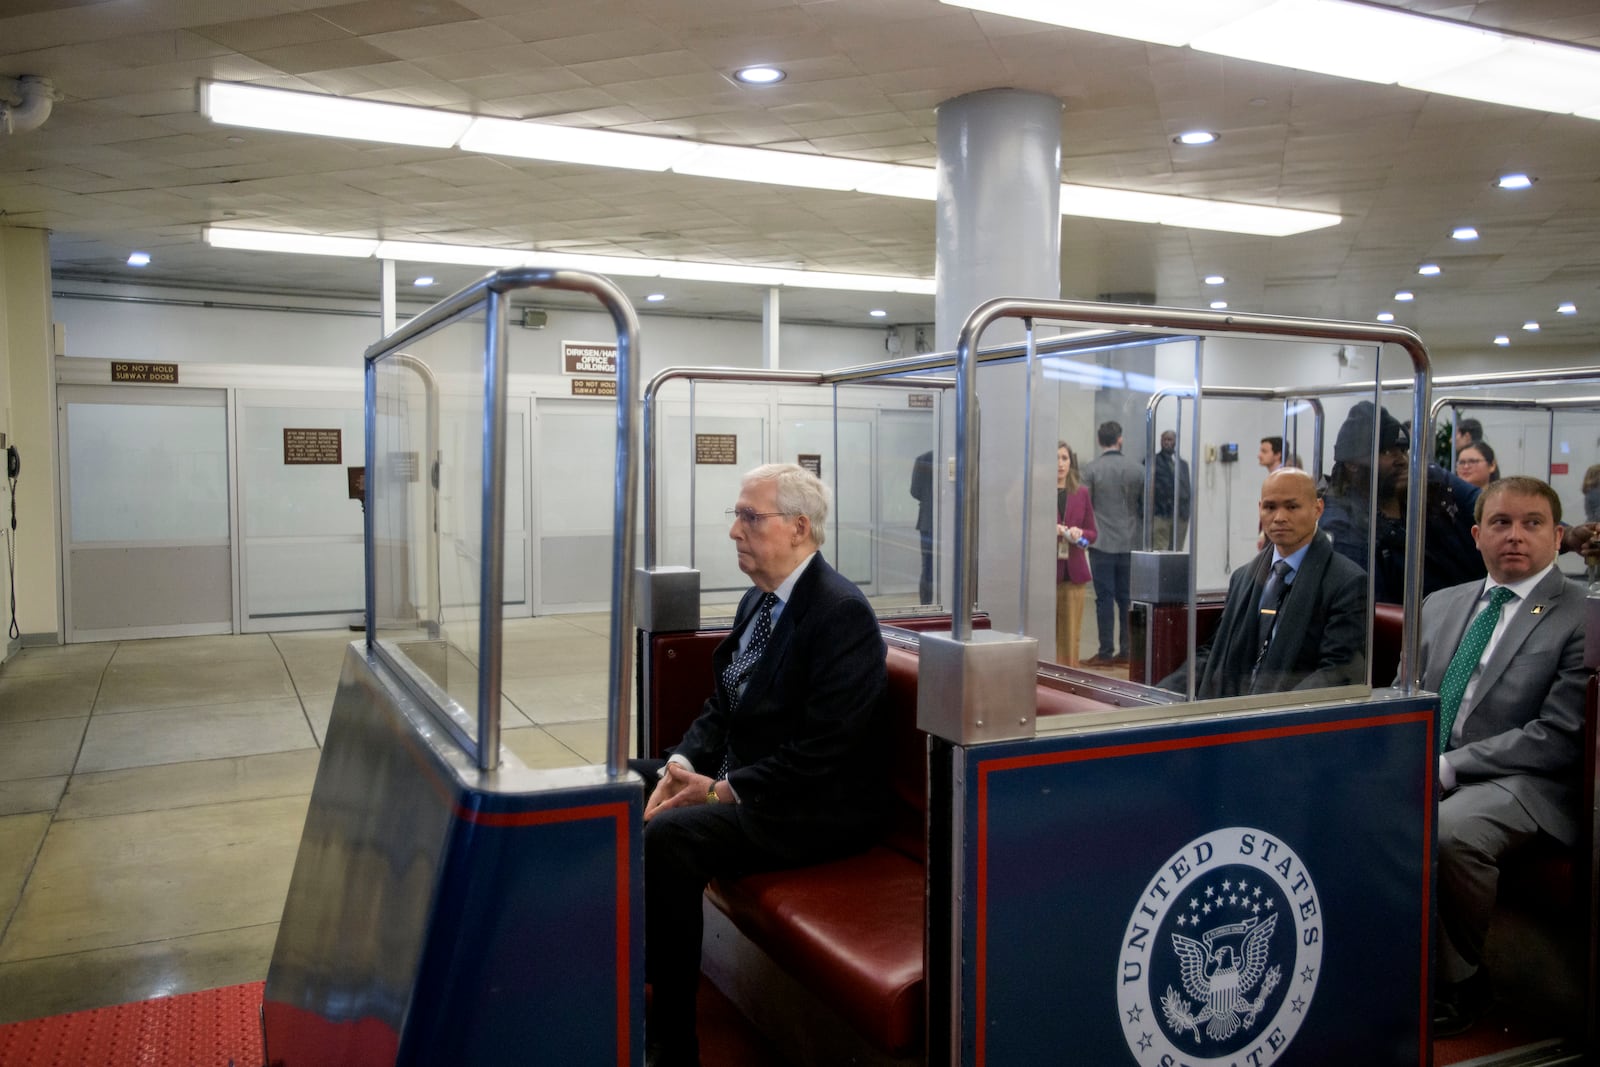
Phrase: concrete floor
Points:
(152, 795)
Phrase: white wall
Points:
(173, 333)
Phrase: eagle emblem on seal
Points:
(1219, 970)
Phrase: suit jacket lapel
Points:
(1518, 629)
(1458, 612)
(766, 669)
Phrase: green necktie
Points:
(1465, 661)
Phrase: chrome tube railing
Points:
(489, 295)
(1182, 321)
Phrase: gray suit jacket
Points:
(1116, 489)
(1525, 727)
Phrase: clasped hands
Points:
(681, 787)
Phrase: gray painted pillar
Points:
(999, 234)
(386, 297)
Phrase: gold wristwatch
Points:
(711, 795)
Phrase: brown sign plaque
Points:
(716, 448)
(589, 357)
(357, 479)
(919, 400)
(164, 373)
(594, 387)
(811, 461)
(312, 446)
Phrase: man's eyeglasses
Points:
(750, 516)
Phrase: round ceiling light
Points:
(759, 75)
(1197, 137)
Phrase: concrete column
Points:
(999, 235)
(386, 297)
(27, 390)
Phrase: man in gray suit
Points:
(1506, 656)
(1116, 489)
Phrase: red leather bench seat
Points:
(850, 931)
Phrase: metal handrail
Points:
(1182, 321)
(489, 293)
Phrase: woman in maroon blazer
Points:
(1075, 530)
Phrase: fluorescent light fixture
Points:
(1531, 326)
(1523, 73)
(1372, 44)
(138, 259)
(1129, 206)
(1567, 309)
(1502, 340)
(310, 244)
(1514, 181)
(777, 168)
(1218, 305)
(625, 266)
(1197, 137)
(322, 114)
(656, 298)
(1428, 269)
(1385, 316)
(1464, 233)
(424, 281)
(1172, 22)
(325, 115)
(759, 75)
(1215, 279)
(573, 144)
(1405, 294)
(878, 313)
(1364, 41)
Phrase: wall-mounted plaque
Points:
(164, 373)
(403, 466)
(589, 357)
(312, 446)
(718, 448)
(594, 387)
(920, 400)
(357, 479)
(810, 461)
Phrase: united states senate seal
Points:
(1222, 954)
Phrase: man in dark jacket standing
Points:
(1116, 489)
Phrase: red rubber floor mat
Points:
(213, 1028)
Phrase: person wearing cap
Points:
(1452, 556)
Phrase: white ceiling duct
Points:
(25, 102)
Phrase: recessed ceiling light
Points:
(424, 281)
(1429, 269)
(1405, 294)
(1218, 305)
(1514, 181)
(1502, 340)
(138, 259)
(656, 298)
(877, 313)
(1385, 316)
(1194, 137)
(1566, 309)
(1215, 279)
(759, 75)
(1531, 326)
(1464, 233)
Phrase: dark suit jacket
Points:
(809, 736)
(922, 490)
(1525, 726)
(1322, 630)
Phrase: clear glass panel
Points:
(427, 545)
(148, 472)
(576, 464)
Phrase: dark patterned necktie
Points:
(734, 674)
(1465, 661)
(1271, 600)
